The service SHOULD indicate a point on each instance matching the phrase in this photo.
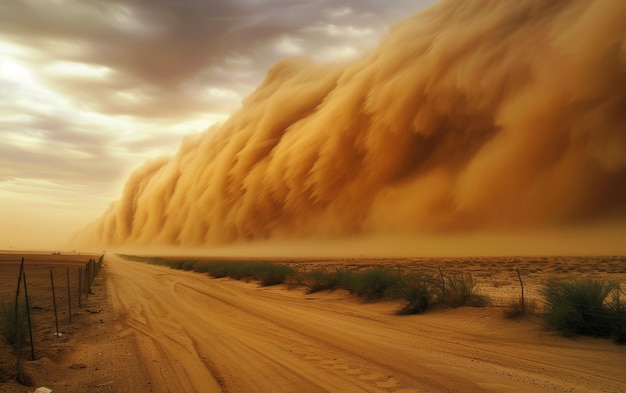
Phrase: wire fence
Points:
(46, 297)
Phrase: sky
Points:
(91, 89)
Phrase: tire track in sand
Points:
(201, 334)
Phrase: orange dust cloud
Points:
(471, 115)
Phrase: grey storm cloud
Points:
(107, 80)
(91, 88)
(162, 50)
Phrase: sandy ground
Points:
(163, 330)
(89, 353)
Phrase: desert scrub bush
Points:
(617, 316)
(176, 264)
(172, 264)
(418, 291)
(219, 269)
(201, 268)
(272, 274)
(319, 280)
(346, 279)
(461, 290)
(374, 283)
(241, 270)
(8, 320)
(585, 307)
(188, 265)
(155, 261)
(267, 273)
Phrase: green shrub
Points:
(319, 280)
(461, 290)
(240, 271)
(178, 265)
(267, 273)
(272, 274)
(8, 321)
(581, 307)
(201, 268)
(218, 269)
(188, 265)
(375, 283)
(418, 291)
(346, 279)
(617, 317)
(157, 261)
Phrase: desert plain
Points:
(147, 328)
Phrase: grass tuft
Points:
(585, 307)
(418, 291)
(374, 284)
(319, 280)
(8, 320)
(273, 274)
(461, 290)
(266, 273)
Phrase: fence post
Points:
(17, 330)
(80, 285)
(521, 283)
(443, 287)
(30, 326)
(54, 304)
(69, 299)
(87, 282)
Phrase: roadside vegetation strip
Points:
(419, 292)
(573, 307)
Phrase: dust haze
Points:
(495, 117)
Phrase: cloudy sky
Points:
(91, 89)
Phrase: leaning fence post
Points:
(17, 325)
(54, 304)
(30, 326)
(443, 287)
(69, 299)
(521, 283)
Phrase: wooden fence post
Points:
(69, 299)
(87, 282)
(54, 304)
(30, 326)
(80, 285)
(521, 283)
(443, 287)
(17, 324)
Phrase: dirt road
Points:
(198, 334)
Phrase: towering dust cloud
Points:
(471, 115)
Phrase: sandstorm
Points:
(470, 117)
